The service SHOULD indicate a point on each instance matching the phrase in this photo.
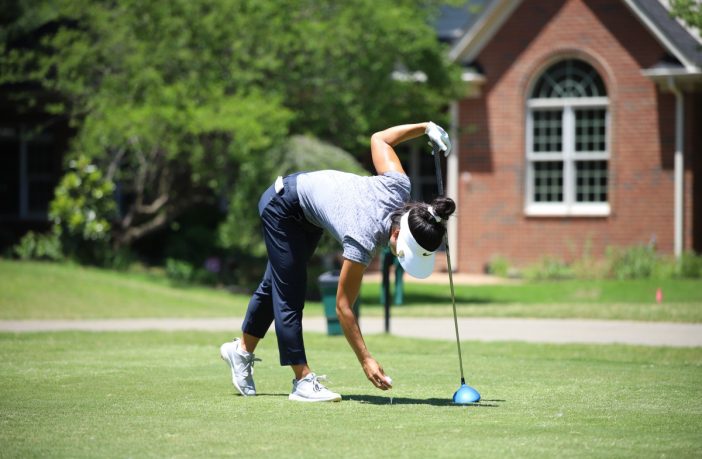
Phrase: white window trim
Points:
(559, 210)
(579, 102)
(569, 207)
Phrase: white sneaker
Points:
(241, 363)
(309, 389)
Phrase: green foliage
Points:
(690, 266)
(590, 268)
(499, 266)
(83, 203)
(177, 100)
(179, 271)
(182, 272)
(548, 268)
(191, 242)
(690, 11)
(34, 246)
(81, 211)
(620, 263)
(587, 266)
(637, 262)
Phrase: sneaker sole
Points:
(297, 398)
(225, 356)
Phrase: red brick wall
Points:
(492, 141)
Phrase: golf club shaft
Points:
(440, 184)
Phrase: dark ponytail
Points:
(443, 207)
(427, 231)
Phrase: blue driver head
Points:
(465, 395)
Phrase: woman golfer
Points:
(363, 214)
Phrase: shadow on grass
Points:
(386, 400)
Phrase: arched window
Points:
(568, 142)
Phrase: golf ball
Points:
(388, 379)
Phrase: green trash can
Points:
(328, 283)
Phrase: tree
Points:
(690, 11)
(177, 100)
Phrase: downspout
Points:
(452, 184)
(679, 165)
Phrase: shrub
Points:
(179, 271)
(587, 266)
(590, 268)
(637, 262)
(35, 246)
(665, 267)
(81, 211)
(548, 268)
(690, 266)
(499, 266)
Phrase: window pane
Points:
(41, 159)
(569, 78)
(9, 175)
(548, 131)
(548, 181)
(591, 181)
(41, 192)
(590, 130)
(427, 187)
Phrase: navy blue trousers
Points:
(290, 241)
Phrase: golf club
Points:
(465, 394)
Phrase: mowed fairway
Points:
(158, 394)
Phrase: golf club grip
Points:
(437, 162)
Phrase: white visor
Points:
(414, 258)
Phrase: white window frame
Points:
(569, 206)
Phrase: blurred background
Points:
(140, 135)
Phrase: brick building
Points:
(582, 127)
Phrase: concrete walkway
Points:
(480, 329)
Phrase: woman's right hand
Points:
(375, 374)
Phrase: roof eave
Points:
(473, 77)
(660, 36)
(677, 72)
(475, 38)
(682, 78)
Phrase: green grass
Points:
(31, 290)
(608, 300)
(168, 395)
(569, 291)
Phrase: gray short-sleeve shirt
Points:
(354, 209)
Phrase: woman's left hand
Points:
(439, 137)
